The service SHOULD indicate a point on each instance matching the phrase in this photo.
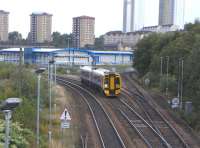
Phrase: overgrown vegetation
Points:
(177, 45)
(20, 137)
(21, 83)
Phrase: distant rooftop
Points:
(84, 17)
(122, 33)
(114, 32)
(4, 12)
(45, 49)
(167, 25)
(41, 13)
(110, 52)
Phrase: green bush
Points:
(22, 84)
(20, 137)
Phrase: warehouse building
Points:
(66, 56)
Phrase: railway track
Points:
(137, 124)
(146, 132)
(107, 132)
(156, 119)
(149, 124)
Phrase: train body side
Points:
(108, 82)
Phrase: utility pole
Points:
(55, 72)
(8, 115)
(38, 112)
(178, 89)
(181, 97)
(7, 107)
(167, 75)
(50, 102)
(161, 71)
(20, 72)
(38, 72)
(68, 39)
(51, 62)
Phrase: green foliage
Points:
(62, 40)
(10, 80)
(14, 37)
(20, 137)
(177, 45)
(172, 84)
(61, 70)
(192, 77)
(148, 48)
(99, 43)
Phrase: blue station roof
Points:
(45, 49)
(11, 50)
(56, 50)
(111, 52)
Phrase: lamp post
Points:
(55, 72)
(38, 72)
(68, 39)
(6, 107)
(51, 62)
(167, 75)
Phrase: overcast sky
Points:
(108, 13)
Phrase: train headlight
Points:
(106, 85)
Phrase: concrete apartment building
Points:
(161, 29)
(166, 12)
(41, 26)
(123, 40)
(83, 31)
(4, 25)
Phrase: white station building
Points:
(66, 56)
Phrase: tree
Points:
(99, 43)
(62, 40)
(56, 38)
(15, 37)
(177, 45)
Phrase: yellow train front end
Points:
(112, 84)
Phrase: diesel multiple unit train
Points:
(103, 79)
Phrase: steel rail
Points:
(108, 117)
(90, 108)
(137, 130)
(82, 142)
(145, 112)
(141, 97)
(140, 134)
(141, 118)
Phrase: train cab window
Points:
(117, 82)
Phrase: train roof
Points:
(99, 71)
